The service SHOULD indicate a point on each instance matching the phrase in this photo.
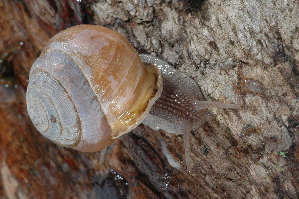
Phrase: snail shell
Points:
(89, 87)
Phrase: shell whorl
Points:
(101, 88)
(62, 106)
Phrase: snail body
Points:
(89, 86)
(181, 104)
(181, 107)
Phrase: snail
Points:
(89, 86)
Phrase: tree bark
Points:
(243, 52)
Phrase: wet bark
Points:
(237, 51)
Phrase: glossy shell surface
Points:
(89, 87)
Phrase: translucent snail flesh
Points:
(89, 86)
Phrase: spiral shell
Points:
(89, 87)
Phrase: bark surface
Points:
(244, 52)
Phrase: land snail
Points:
(89, 86)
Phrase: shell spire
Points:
(90, 84)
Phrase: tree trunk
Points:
(243, 52)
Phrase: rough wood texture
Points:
(238, 51)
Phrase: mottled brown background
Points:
(238, 51)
